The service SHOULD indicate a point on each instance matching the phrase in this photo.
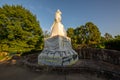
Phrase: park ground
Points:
(11, 71)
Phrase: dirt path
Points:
(15, 72)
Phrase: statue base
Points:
(57, 52)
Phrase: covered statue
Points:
(57, 48)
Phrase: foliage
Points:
(70, 32)
(87, 35)
(113, 44)
(102, 41)
(19, 30)
(46, 34)
(108, 36)
(117, 37)
(109, 42)
(93, 34)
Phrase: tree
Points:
(112, 43)
(93, 34)
(70, 32)
(117, 37)
(102, 42)
(108, 36)
(80, 32)
(19, 30)
(87, 35)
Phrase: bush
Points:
(113, 44)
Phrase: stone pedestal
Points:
(57, 52)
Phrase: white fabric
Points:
(58, 29)
(58, 43)
(57, 52)
(58, 16)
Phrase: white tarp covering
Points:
(57, 52)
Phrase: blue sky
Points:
(103, 13)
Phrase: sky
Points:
(105, 14)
